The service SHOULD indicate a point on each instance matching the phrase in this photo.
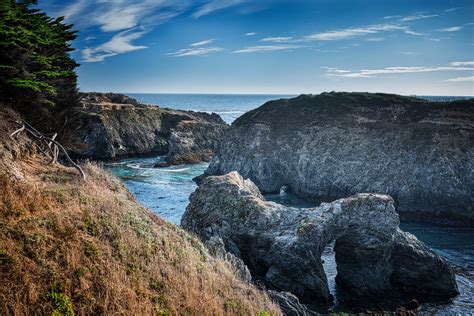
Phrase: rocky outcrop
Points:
(282, 246)
(334, 145)
(101, 128)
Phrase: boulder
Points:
(282, 246)
(334, 145)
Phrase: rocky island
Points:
(333, 145)
(282, 246)
(110, 126)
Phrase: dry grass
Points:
(68, 246)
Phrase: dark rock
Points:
(110, 126)
(334, 145)
(289, 304)
(161, 164)
(282, 246)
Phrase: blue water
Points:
(165, 191)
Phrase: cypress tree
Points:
(36, 72)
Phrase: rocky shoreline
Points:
(113, 126)
(334, 145)
(282, 246)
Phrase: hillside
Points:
(86, 247)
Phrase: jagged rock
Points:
(101, 128)
(282, 246)
(216, 247)
(334, 145)
(289, 304)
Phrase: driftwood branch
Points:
(47, 145)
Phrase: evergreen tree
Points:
(36, 71)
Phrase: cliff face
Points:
(334, 145)
(69, 245)
(101, 128)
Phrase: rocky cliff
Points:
(108, 126)
(282, 246)
(334, 145)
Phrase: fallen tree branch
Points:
(52, 146)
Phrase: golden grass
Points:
(69, 246)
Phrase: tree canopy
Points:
(36, 71)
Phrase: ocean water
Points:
(165, 191)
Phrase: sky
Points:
(410, 47)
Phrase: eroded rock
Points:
(282, 246)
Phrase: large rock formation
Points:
(334, 145)
(282, 246)
(108, 126)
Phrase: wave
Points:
(175, 170)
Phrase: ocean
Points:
(165, 191)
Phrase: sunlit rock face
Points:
(110, 126)
(334, 145)
(282, 246)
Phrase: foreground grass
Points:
(69, 246)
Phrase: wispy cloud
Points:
(411, 53)
(215, 5)
(266, 48)
(202, 43)
(461, 79)
(461, 63)
(250, 34)
(348, 33)
(451, 29)
(200, 51)
(375, 39)
(119, 44)
(280, 39)
(371, 73)
(418, 17)
(119, 15)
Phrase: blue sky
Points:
(283, 47)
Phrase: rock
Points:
(334, 145)
(289, 304)
(282, 246)
(161, 164)
(101, 129)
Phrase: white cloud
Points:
(250, 34)
(451, 29)
(119, 44)
(280, 39)
(118, 15)
(413, 33)
(200, 51)
(215, 5)
(418, 17)
(370, 73)
(202, 43)
(375, 39)
(355, 32)
(266, 48)
(461, 63)
(461, 79)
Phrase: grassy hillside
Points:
(86, 247)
